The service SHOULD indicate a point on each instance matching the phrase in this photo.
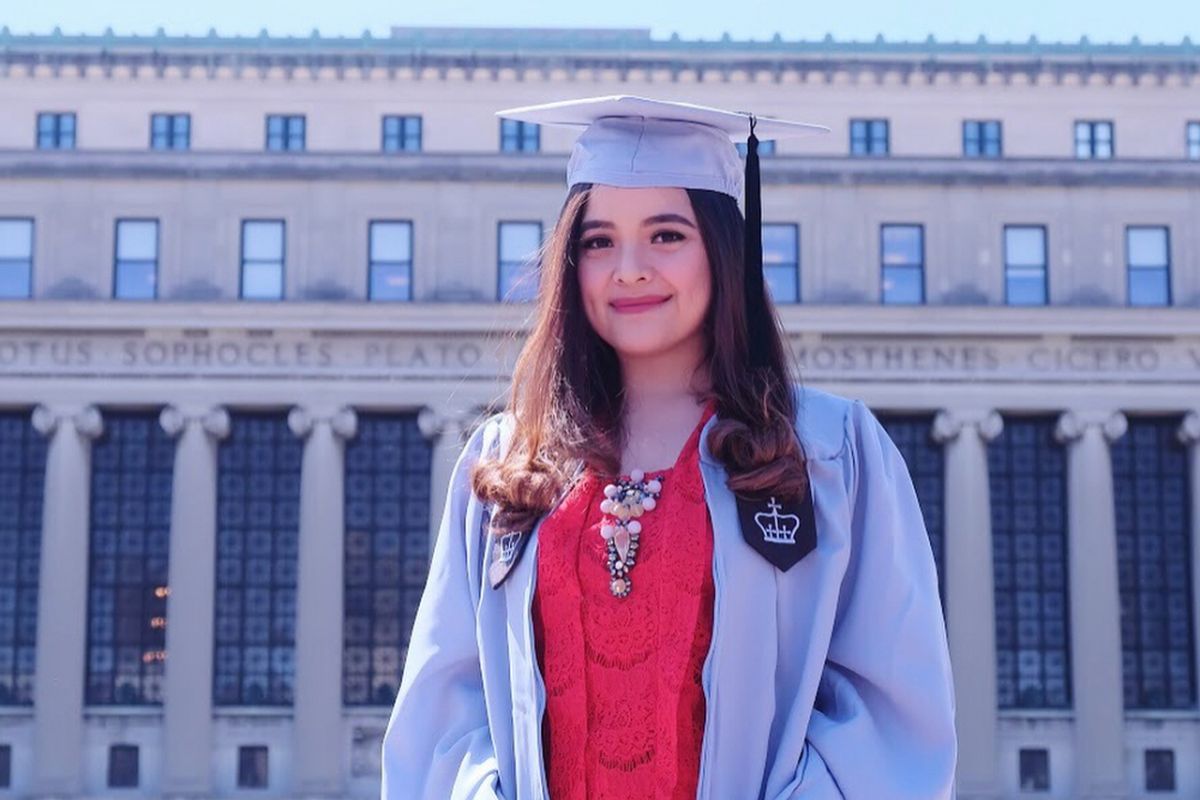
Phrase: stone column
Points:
(191, 582)
(1095, 602)
(446, 432)
(970, 599)
(1189, 434)
(317, 755)
(62, 598)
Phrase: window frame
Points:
(57, 134)
(1045, 229)
(1165, 268)
(116, 262)
(282, 259)
(868, 124)
(1092, 126)
(1191, 140)
(371, 262)
(521, 132)
(403, 120)
(286, 135)
(981, 138)
(794, 264)
(883, 267)
(32, 252)
(501, 295)
(172, 117)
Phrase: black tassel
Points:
(756, 317)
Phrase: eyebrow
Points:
(654, 220)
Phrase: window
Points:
(386, 552)
(1148, 255)
(781, 261)
(390, 255)
(766, 147)
(519, 243)
(170, 131)
(122, 766)
(22, 474)
(1160, 770)
(902, 263)
(252, 767)
(1034, 768)
(1093, 139)
(1025, 265)
(1150, 485)
(262, 259)
(5, 765)
(56, 131)
(16, 258)
(1192, 136)
(132, 465)
(869, 137)
(258, 522)
(912, 435)
(1027, 475)
(982, 138)
(401, 134)
(135, 267)
(519, 137)
(285, 131)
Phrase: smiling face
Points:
(644, 273)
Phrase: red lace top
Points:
(624, 702)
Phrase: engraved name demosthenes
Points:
(976, 357)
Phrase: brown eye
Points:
(669, 236)
(594, 243)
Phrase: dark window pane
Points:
(1160, 770)
(869, 137)
(132, 465)
(285, 131)
(1034, 770)
(5, 765)
(387, 508)
(1192, 135)
(55, 131)
(519, 137)
(122, 766)
(22, 475)
(258, 509)
(1027, 479)
(912, 435)
(1153, 509)
(402, 134)
(252, 767)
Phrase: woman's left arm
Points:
(883, 720)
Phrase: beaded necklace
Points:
(625, 501)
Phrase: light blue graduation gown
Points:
(828, 680)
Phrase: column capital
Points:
(435, 423)
(342, 421)
(1189, 429)
(1073, 424)
(214, 421)
(950, 422)
(87, 419)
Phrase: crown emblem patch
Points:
(506, 550)
(782, 530)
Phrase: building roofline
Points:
(531, 41)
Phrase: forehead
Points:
(636, 203)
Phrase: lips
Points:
(639, 303)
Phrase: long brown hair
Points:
(566, 397)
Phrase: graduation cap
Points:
(637, 141)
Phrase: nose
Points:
(630, 267)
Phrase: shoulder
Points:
(828, 423)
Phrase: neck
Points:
(663, 378)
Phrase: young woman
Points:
(667, 571)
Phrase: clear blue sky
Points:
(1049, 20)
